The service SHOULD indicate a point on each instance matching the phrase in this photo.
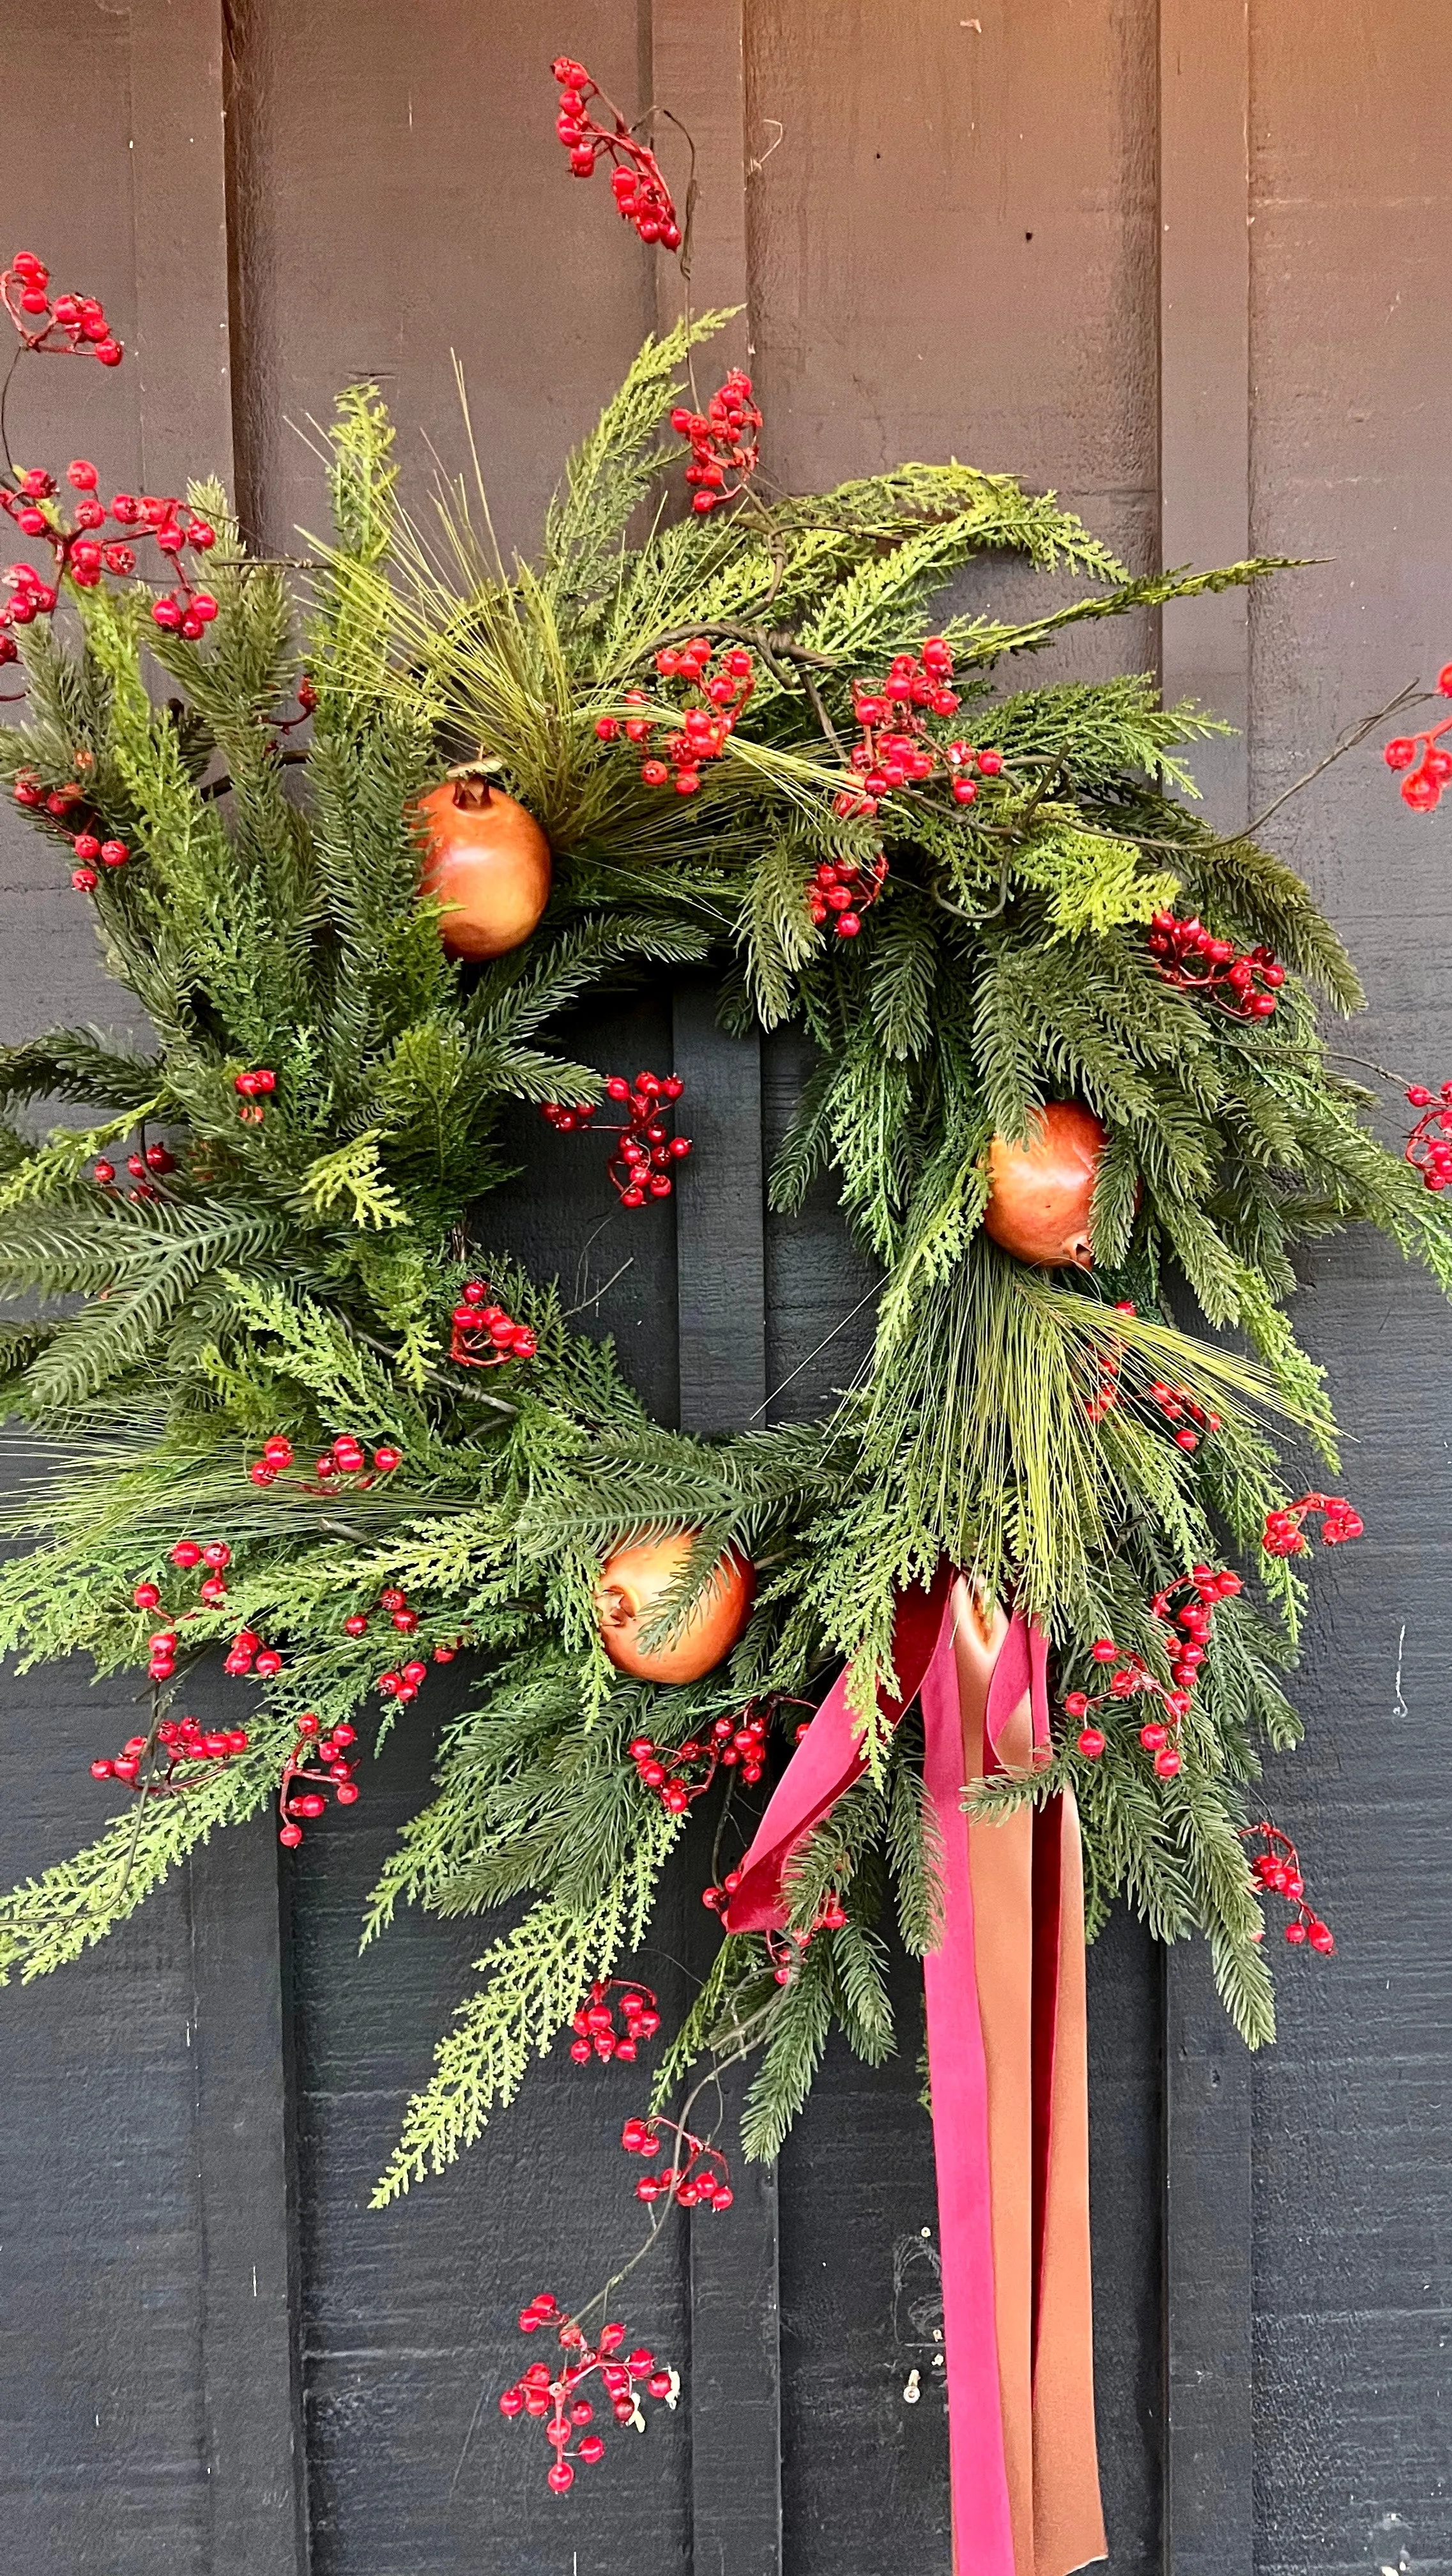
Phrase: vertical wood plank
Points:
(251, 2386)
(698, 71)
(1205, 369)
(180, 219)
(735, 2378)
(1205, 518)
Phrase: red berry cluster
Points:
(786, 1948)
(678, 1777)
(1278, 1871)
(1429, 1146)
(1179, 1407)
(346, 1459)
(841, 891)
(783, 1948)
(1428, 768)
(640, 1164)
(247, 1650)
(1192, 958)
(897, 748)
(699, 2177)
(254, 1090)
(67, 804)
(329, 1748)
(188, 1554)
(706, 724)
(1131, 1675)
(404, 1684)
(484, 1336)
(1282, 1535)
(640, 191)
(175, 1756)
(67, 326)
(594, 2023)
(155, 1160)
(248, 1655)
(82, 552)
(725, 439)
(554, 2399)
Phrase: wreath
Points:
(358, 841)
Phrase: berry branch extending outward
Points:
(554, 2397)
(678, 1778)
(699, 2176)
(705, 726)
(636, 181)
(640, 1165)
(1429, 1146)
(724, 439)
(1192, 958)
(1283, 1535)
(1427, 767)
(1132, 1676)
(594, 2024)
(1278, 1871)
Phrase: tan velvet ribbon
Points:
(1028, 1925)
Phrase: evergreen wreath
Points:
(697, 716)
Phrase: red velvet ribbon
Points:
(1013, 2513)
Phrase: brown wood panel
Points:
(398, 194)
(1352, 249)
(953, 243)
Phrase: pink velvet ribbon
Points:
(1001, 2459)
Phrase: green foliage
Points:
(296, 1273)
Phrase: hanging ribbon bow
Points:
(1007, 2065)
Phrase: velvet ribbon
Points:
(1008, 2070)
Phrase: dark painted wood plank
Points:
(410, 2313)
(1353, 2178)
(735, 2381)
(1204, 307)
(251, 2388)
(698, 73)
(719, 1260)
(1204, 297)
(102, 2454)
(146, 2415)
(1209, 2416)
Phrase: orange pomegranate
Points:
(632, 1584)
(1038, 1206)
(488, 860)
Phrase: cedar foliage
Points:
(296, 1276)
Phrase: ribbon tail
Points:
(1068, 2518)
(982, 2523)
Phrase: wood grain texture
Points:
(147, 2417)
(1204, 324)
(1352, 244)
(1204, 319)
(399, 193)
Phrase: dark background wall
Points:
(1186, 263)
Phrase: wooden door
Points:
(1185, 263)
